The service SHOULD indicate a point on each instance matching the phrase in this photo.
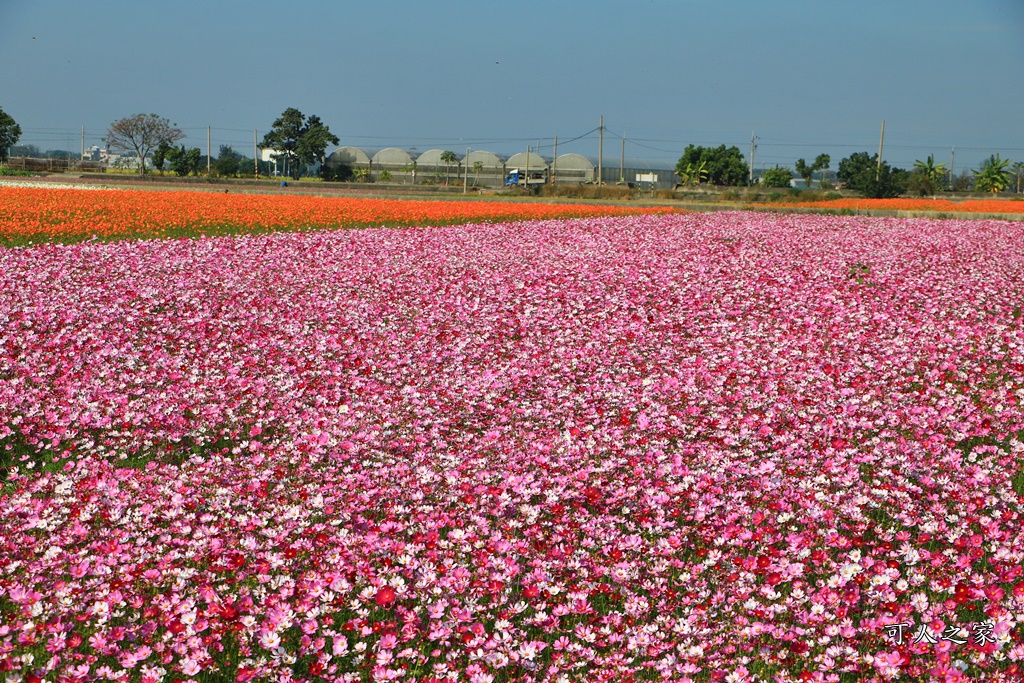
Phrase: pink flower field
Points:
(729, 447)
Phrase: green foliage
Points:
(10, 133)
(861, 172)
(449, 158)
(693, 174)
(776, 177)
(299, 140)
(920, 184)
(806, 172)
(931, 170)
(927, 177)
(992, 176)
(336, 172)
(228, 161)
(184, 161)
(724, 166)
(385, 176)
(160, 155)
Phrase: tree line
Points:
(300, 142)
(297, 141)
(861, 172)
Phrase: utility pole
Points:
(465, 176)
(527, 185)
(600, 152)
(952, 156)
(208, 150)
(554, 163)
(83, 142)
(753, 146)
(538, 152)
(622, 159)
(255, 154)
(881, 139)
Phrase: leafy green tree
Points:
(724, 166)
(693, 174)
(478, 167)
(140, 134)
(228, 161)
(160, 155)
(920, 185)
(930, 169)
(184, 161)
(776, 177)
(449, 158)
(862, 173)
(992, 176)
(299, 140)
(312, 148)
(806, 172)
(10, 133)
(927, 177)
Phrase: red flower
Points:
(994, 593)
(385, 596)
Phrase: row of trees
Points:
(300, 141)
(860, 172)
(295, 139)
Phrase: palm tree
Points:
(694, 174)
(930, 169)
(993, 176)
(477, 167)
(449, 158)
(929, 175)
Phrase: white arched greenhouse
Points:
(344, 162)
(573, 168)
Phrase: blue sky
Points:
(805, 76)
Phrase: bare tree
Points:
(140, 134)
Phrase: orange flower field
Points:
(995, 206)
(68, 215)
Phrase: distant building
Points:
(96, 153)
